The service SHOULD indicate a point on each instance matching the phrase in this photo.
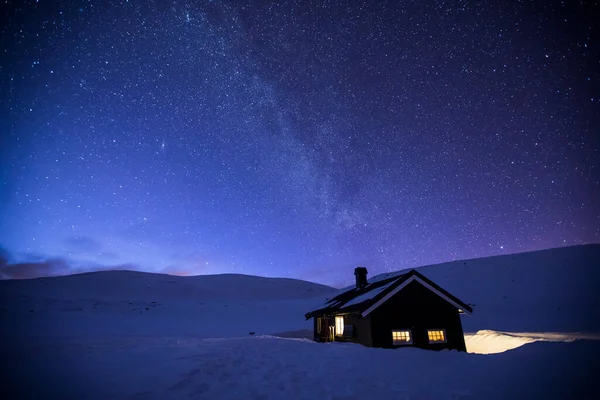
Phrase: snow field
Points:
(266, 367)
(130, 335)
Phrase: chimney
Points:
(361, 277)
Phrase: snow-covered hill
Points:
(131, 335)
(143, 286)
(137, 303)
(553, 290)
(545, 291)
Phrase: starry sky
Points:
(294, 138)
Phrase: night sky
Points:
(299, 139)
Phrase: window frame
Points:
(404, 342)
(445, 340)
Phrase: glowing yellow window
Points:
(339, 325)
(436, 335)
(401, 337)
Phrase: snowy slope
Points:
(137, 303)
(545, 291)
(131, 335)
(552, 290)
(142, 286)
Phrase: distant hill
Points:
(544, 291)
(142, 286)
(139, 303)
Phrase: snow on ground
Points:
(130, 335)
(275, 368)
(492, 342)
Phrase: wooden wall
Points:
(417, 309)
(362, 329)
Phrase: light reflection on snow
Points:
(493, 342)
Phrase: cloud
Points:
(27, 270)
(36, 267)
(54, 267)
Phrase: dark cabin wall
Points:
(418, 309)
(362, 329)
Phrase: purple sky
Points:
(300, 139)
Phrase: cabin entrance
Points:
(325, 329)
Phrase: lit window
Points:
(339, 325)
(401, 337)
(436, 335)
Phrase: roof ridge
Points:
(376, 291)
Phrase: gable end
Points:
(415, 278)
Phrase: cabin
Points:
(398, 311)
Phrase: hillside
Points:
(138, 303)
(551, 290)
(144, 286)
(545, 291)
(131, 335)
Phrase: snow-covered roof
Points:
(368, 295)
(379, 290)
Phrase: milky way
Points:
(296, 139)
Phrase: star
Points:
(292, 145)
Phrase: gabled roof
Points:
(376, 293)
